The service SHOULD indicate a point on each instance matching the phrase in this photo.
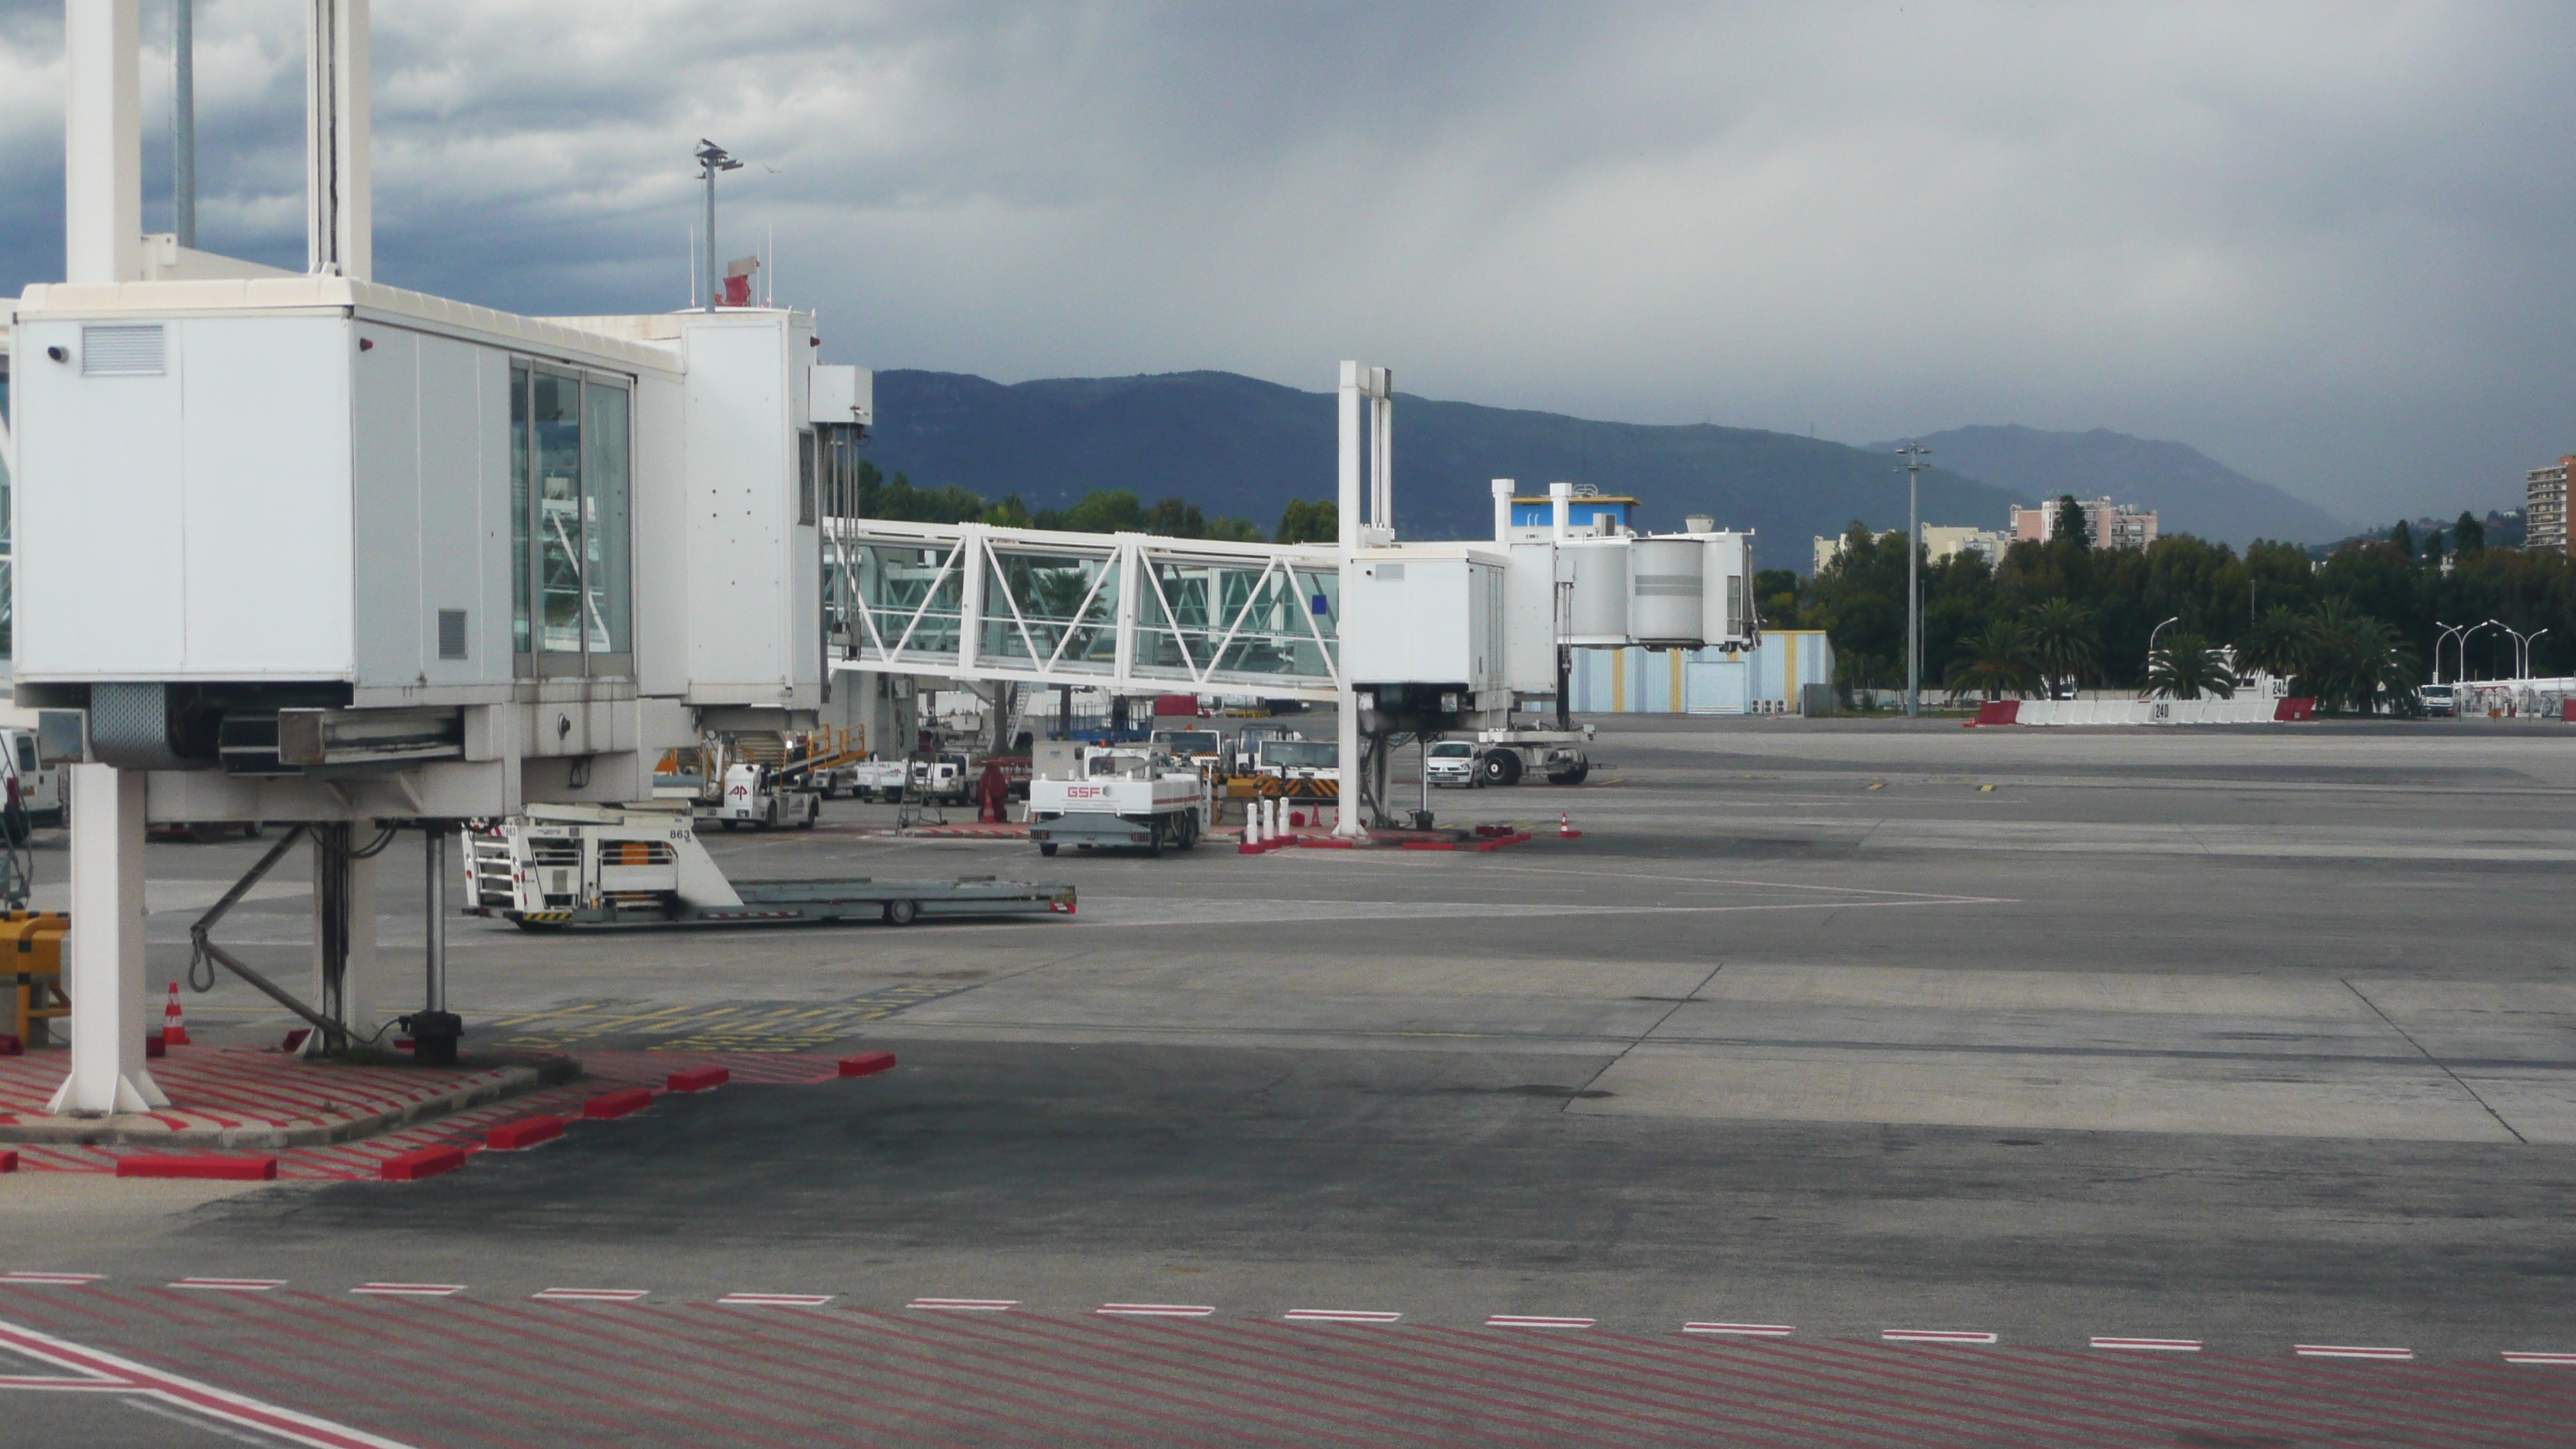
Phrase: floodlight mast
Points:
(713, 158)
(1913, 454)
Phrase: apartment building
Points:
(2106, 524)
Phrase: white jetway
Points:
(314, 550)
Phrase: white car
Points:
(1450, 762)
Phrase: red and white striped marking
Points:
(2345, 1350)
(2149, 1345)
(1934, 1335)
(410, 1290)
(232, 1285)
(775, 1300)
(965, 1305)
(590, 1295)
(2556, 1360)
(59, 1280)
(1531, 1320)
(1742, 1330)
(109, 1373)
(1338, 1315)
(1156, 1310)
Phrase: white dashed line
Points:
(2560, 1360)
(591, 1295)
(1527, 1320)
(232, 1285)
(1933, 1335)
(965, 1305)
(410, 1290)
(1338, 1315)
(2149, 1345)
(1742, 1330)
(775, 1300)
(58, 1280)
(2340, 1350)
(1155, 1310)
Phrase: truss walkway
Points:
(1127, 611)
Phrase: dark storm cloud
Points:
(2326, 244)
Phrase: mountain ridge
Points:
(2190, 491)
(1238, 445)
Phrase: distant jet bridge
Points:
(1129, 612)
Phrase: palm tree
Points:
(2355, 661)
(2186, 667)
(1995, 662)
(2278, 644)
(2058, 636)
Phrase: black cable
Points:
(376, 847)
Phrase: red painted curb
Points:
(1427, 845)
(10, 1046)
(1517, 837)
(624, 1102)
(867, 1064)
(526, 1132)
(8, 1162)
(699, 1079)
(427, 1162)
(1326, 842)
(154, 1048)
(204, 1164)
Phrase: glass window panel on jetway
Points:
(916, 592)
(605, 538)
(1050, 594)
(554, 418)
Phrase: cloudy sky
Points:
(2330, 245)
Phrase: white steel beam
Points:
(339, 212)
(102, 141)
(103, 952)
(1346, 812)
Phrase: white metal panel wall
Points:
(742, 500)
(385, 487)
(100, 591)
(431, 529)
(267, 497)
(663, 533)
(1529, 619)
(1412, 621)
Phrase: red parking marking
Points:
(189, 1394)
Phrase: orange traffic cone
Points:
(1565, 827)
(174, 1023)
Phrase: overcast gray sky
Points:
(2329, 245)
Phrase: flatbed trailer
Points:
(641, 865)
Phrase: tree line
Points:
(1119, 510)
(2356, 629)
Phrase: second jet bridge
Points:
(1128, 612)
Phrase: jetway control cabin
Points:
(513, 557)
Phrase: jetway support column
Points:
(344, 938)
(103, 969)
(1346, 813)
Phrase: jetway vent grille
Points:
(451, 633)
(121, 351)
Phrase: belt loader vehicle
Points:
(642, 865)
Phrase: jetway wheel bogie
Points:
(1574, 776)
(1499, 767)
(902, 913)
(1047, 848)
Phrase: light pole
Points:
(713, 158)
(1913, 454)
(2151, 637)
(2526, 651)
(2519, 672)
(2447, 631)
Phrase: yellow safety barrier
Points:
(31, 962)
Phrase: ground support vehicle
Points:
(642, 865)
(758, 796)
(878, 780)
(2439, 701)
(1504, 756)
(1120, 798)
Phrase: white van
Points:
(40, 786)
